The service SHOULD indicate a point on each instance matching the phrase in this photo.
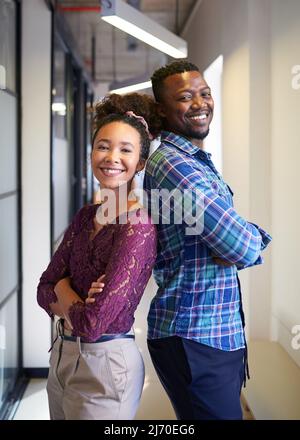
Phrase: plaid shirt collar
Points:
(185, 145)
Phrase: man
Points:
(196, 326)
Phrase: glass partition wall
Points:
(71, 125)
(62, 157)
(10, 235)
(71, 178)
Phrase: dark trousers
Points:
(203, 383)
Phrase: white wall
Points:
(260, 42)
(36, 107)
(285, 132)
(260, 299)
(213, 143)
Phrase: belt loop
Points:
(78, 341)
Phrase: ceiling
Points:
(118, 55)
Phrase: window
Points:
(213, 142)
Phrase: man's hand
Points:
(222, 262)
(96, 287)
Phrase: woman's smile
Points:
(111, 172)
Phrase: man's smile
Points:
(199, 117)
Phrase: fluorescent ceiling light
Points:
(132, 88)
(133, 22)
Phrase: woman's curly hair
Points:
(113, 108)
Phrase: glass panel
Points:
(8, 346)
(8, 45)
(59, 93)
(89, 173)
(61, 155)
(8, 143)
(8, 246)
(61, 183)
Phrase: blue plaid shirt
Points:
(198, 299)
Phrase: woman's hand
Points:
(66, 296)
(96, 287)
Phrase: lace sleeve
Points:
(127, 273)
(58, 267)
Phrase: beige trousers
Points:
(98, 381)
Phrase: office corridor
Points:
(57, 59)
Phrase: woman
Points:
(96, 370)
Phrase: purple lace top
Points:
(124, 252)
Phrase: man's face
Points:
(187, 105)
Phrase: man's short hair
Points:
(162, 73)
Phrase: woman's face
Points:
(116, 155)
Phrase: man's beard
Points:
(188, 132)
(193, 134)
